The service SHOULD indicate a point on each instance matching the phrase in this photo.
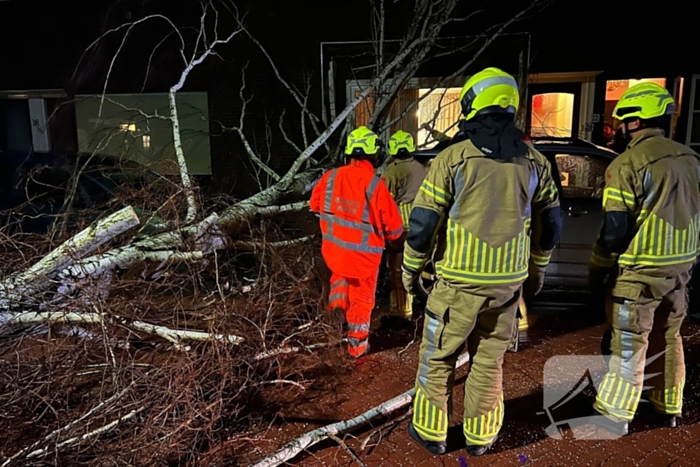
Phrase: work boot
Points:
(435, 447)
(474, 450)
(395, 323)
(670, 421)
(616, 428)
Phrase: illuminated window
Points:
(438, 114)
(552, 115)
(117, 126)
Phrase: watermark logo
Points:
(571, 382)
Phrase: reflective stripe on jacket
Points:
(358, 215)
(490, 209)
(655, 182)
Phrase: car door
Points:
(581, 180)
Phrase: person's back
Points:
(403, 178)
(666, 204)
(489, 221)
(355, 213)
(646, 249)
(497, 198)
(358, 216)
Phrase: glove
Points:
(534, 282)
(410, 282)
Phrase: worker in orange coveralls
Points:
(358, 215)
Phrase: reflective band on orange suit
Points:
(358, 215)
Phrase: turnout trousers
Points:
(400, 301)
(483, 318)
(355, 298)
(645, 314)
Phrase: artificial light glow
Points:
(127, 127)
(146, 141)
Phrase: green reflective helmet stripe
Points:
(490, 91)
(401, 140)
(645, 101)
(482, 85)
(362, 140)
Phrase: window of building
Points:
(581, 176)
(438, 115)
(123, 130)
(432, 119)
(552, 115)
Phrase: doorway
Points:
(554, 110)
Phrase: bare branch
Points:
(239, 129)
(253, 246)
(129, 26)
(286, 136)
(292, 449)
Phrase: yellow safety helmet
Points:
(362, 142)
(401, 140)
(489, 91)
(645, 101)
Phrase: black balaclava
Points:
(403, 154)
(495, 135)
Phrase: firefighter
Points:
(403, 178)
(501, 208)
(358, 215)
(645, 253)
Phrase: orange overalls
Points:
(358, 215)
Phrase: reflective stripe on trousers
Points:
(356, 298)
(429, 420)
(645, 314)
(482, 430)
(339, 294)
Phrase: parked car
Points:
(33, 185)
(579, 172)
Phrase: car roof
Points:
(544, 145)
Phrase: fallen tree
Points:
(193, 307)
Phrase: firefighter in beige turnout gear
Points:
(647, 247)
(403, 178)
(501, 208)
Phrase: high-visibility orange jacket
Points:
(358, 215)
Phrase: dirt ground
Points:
(390, 370)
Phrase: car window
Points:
(582, 176)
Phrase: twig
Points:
(415, 334)
(284, 381)
(252, 246)
(175, 335)
(54, 433)
(347, 449)
(389, 424)
(98, 431)
(288, 350)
